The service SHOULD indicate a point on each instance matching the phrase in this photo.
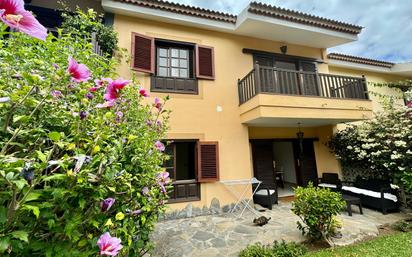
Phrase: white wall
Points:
(283, 156)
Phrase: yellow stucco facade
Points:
(214, 113)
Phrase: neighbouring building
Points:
(252, 95)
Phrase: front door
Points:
(305, 162)
(262, 153)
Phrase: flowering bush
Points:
(80, 161)
(382, 145)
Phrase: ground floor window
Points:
(182, 167)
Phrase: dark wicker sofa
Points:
(373, 193)
(331, 181)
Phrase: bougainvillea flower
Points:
(78, 72)
(409, 104)
(106, 104)
(159, 146)
(157, 104)
(143, 92)
(107, 204)
(108, 245)
(13, 14)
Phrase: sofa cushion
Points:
(327, 185)
(372, 184)
(330, 178)
(370, 193)
(265, 192)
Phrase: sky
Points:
(387, 32)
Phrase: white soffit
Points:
(402, 69)
(248, 24)
(293, 123)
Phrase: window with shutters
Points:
(182, 167)
(174, 68)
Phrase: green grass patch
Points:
(397, 245)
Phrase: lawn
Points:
(397, 245)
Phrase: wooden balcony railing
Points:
(270, 80)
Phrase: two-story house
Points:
(252, 95)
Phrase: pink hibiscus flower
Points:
(143, 92)
(160, 146)
(113, 89)
(158, 104)
(78, 72)
(108, 245)
(99, 83)
(13, 14)
(106, 104)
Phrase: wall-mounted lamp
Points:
(284, 49)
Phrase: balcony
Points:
(273, 96)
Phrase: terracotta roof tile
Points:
(361, 60)
(255, 8)
(291, 15)
(183, 9)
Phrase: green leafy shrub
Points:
(403, 225)
(69, 171)
(278, 249)
(84, 24)
(317, 208)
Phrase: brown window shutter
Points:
(143, 48)
(205, 66)
(208, 161)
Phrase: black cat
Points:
(261, 221)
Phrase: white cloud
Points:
(387, 32)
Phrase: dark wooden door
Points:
(288, 82)
(309, 81)
(267, 76)
(305, 162)
(262, 153)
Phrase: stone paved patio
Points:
(226, 235)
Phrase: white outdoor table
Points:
(240, 194)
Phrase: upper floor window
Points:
(175, 66)
(173, 62)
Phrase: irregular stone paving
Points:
(226, 235)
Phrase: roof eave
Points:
(269, 28)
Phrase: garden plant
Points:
(381, 146)
(277, 249)
(80, 156)
(317, 208)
